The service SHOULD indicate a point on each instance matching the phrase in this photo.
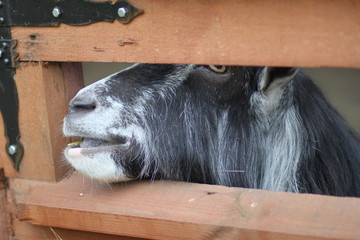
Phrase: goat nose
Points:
(82, 103)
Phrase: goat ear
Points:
(271, 85)
(273, 79)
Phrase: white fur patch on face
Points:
(115, 117)
(109, 119)
(98, 165)
(95, 124)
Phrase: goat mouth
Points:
(92, 146)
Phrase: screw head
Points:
(1, 4)
(12, 149)
(56, 12)
(1, 53)
(6, 61)
(2, 20)
(122, 12)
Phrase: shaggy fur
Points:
(256, 127)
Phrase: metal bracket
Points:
(72, 12)
(9, 105)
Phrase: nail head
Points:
(122, 12)
(56, 12)
(12, 149)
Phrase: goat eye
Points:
(218, 68)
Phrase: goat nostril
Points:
(84, 107)
(83, 103)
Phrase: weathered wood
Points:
(174, 210)
(73, 78)
(5, 220)
(12, 228)
(297, 33)
(24, 230)
(43, 99)
(27, 231)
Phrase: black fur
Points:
(230, 128)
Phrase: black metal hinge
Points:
(9, 104)
(42, 13)
(73, 12)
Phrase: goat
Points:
(256, 127)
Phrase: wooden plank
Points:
(73, 79)
(5, 221)
(175, 210)
(27, 231)
(274, 32)
(24, 230)
(43, 98)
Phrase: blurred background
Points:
(340, 86)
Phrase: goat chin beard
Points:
(96, 163)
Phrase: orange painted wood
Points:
(43, 99)
(5, 221)
(274, 32)
(26, 231)
(175, 210)
(73, 78)
(3, 215)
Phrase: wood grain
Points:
(174, 210)
(5, 220)
(26, 231)
(43, 102)
(274, 32)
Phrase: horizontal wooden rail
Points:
(174, 210)
(273, 32)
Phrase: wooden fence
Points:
(40, 202)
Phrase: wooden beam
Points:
(175, 210)
(44, 90)
(308, 33)
(13, 228)
(5, 218)
(26, 231)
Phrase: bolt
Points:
(1, 53)
(5, 45)
(12, 149)
(122, 12)
(6, 61)
(56, 12)
(2, 20)
(1, 4)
